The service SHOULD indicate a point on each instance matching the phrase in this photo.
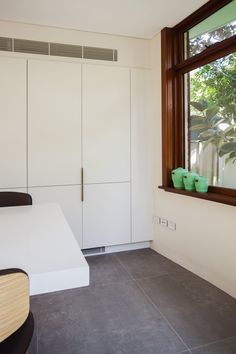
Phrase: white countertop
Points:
(39, 240)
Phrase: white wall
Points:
(205, 239)
(131, 51)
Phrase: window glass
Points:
(210, 121)
(216, 28)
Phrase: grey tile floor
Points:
(138, 302)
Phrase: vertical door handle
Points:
(82, 184)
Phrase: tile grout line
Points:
(155, 306)
(211, 343)
(111, 282)
(167, 321)
(157, 276)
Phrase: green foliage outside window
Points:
(213, 105)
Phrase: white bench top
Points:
(39, 240)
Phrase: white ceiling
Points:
(135, 18)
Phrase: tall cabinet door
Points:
(13, 123)
(106, 155)
(54, 123)
(142, 155)
(106, 124)
(54, 147)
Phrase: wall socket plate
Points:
(171, 225)
(163, 222)
(155, 219)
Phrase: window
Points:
(210, 121)
(199, 98)
(215, 28)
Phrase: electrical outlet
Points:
(172, 225)
(155, 219)
(163, 222)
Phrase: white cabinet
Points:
(69, 198)
(106, 124)
(54, 123)
(141, 156)
(106, 155)
(106, 214)
(100, 121)
(13, 123)
(54, 148)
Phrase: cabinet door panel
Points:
(142, 152)
(69, 198)
(13, 123)
(106, 124)
(106, 214)
(54, 123)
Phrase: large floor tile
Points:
(105, 269)
(115, 318)
(146, 263)
(198, 311)
(226, 347)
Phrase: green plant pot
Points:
(201, 184)
(177, 177)
(189, 181)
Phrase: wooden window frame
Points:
(173, 68)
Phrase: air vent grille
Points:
(66, 50)
(57, 49)
(92, 251)
(6, 44)
(98, 53)
(33, 47)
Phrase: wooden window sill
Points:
(214, 197)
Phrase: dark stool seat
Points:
(19, 341)
(8, 199)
